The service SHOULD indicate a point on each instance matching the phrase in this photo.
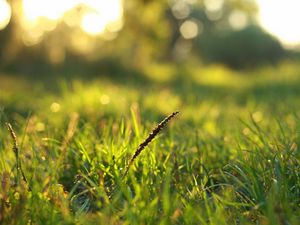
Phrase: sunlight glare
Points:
(53, 10)
(5, 14)
(105, 13)
(93, 17)
(92, 23)
(281, 18)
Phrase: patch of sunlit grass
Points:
(160, 72)
(231, 156)
(218, 75)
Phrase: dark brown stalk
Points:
(150, 137)
(16, 151)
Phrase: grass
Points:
(230, 157)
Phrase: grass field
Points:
(230, 156)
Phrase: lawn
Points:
(230, 156)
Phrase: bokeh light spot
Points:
(189, 29)
(213, 5)
(181, 10)
(104, 99)
(257, 116)
(214, 9)
(238, 19)
(55, 107)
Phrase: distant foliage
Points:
(240, 49)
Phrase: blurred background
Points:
(117, 37)
(219, 58)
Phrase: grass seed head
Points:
(150, 137)
(13, 136)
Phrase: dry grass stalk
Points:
(150, 137)
(14, 138)
(72, 126)
(16, 151)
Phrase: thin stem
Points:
(16, 151)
